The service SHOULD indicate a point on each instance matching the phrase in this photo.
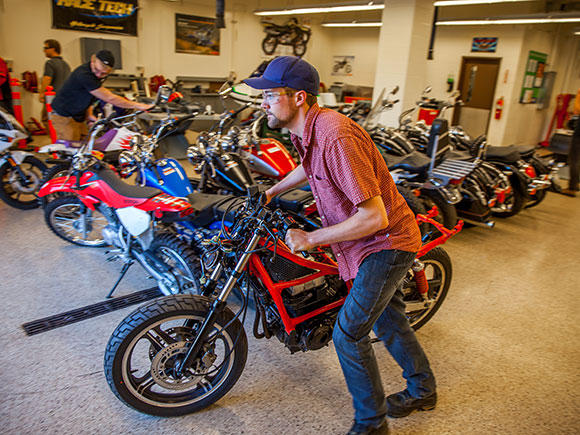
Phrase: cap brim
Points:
(262, 83)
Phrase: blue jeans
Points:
(376, 301)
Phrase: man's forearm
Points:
(294, 179)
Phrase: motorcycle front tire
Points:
(64, 215)
(142, 351)
(33, 168)
(269, 44)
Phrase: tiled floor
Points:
(504, 346)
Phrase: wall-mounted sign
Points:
(103, 16)
(342, 65)
(196, 35)
(533, 77)
(488, 45)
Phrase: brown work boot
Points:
(569, 192)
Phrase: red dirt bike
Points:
(181, 353)
(94, 199)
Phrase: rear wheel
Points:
(415, 204)
(299, 48)
(58, 170)
(438, 271)
(184, 270)
(447, 212)
(19, 184)
(143, 352)
(71, 220)
(516, 200)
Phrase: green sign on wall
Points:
(533, 77)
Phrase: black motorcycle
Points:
(291, 33)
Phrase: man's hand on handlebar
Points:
(298, 240)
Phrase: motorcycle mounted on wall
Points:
(291, 33)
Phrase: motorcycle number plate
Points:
(136, 221)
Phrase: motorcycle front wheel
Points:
(269, 44)
(19, 185)
(71, 220)
(142, 354)
(438, 271)
(184, 270)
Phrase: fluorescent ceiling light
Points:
(576, 33)
(322, 9)
(474, 2)
(377, 24)
(508, 21)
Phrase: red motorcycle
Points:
(181, 353)
(93, 200)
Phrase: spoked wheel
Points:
(19, 185)
(515, 201)
(299, 48)
(58, 170)
(438, 271)
(184, 270)
(269, 44)
(145, 349)
(71, 220)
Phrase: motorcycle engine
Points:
(111, 235)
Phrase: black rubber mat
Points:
(73, 316)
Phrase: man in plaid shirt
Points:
(371, 230)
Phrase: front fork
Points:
(219, 304)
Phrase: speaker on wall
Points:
(90, 46)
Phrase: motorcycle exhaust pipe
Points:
(488, 224)
(219, 14)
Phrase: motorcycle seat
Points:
(414, 162)
(526, 151)
(127, 190)
(507, 154)
(464, 156)
(211, 207)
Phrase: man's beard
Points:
(275, 122)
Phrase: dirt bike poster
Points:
(342, 65)
(196, 35)
(102, 16)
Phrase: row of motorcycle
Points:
(465, 178)
(215, 250)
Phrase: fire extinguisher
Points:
(498, 108)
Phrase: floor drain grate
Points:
(73, 316)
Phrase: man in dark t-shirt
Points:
(56, 70)
(72, 104)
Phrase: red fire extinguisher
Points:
(498, 108)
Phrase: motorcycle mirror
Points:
(163, 94)
(395, 90)
(427, 90)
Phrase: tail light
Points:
(500, 195)
(457, 181)
(530, 171)
(186, 212)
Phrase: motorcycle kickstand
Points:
(124, 270)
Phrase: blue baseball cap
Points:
(287, 71)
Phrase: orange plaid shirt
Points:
(344, 168)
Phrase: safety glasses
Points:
(271, 97)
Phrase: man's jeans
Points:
(376, 301)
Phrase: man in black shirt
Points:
(71, 106)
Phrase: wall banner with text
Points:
(102, 16)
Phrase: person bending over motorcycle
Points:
(71, 105)
(372, 233)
